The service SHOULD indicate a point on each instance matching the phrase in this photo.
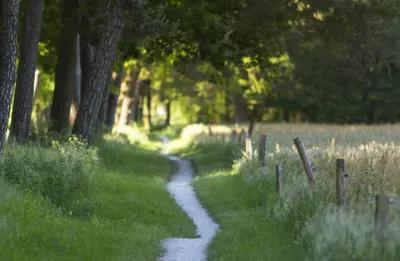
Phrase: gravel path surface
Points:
(185, 249)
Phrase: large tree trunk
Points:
(104, 106)
(99, 70)
(76, 96)
(23, 100)
(65, 78)
(86, 57)
(113, 100)
(8, 48)
(130, 94)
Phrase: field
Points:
(304, 222)
(63, 200)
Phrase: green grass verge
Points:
(246, 231)
(130, 213)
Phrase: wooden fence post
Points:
(249, 147)
(305, 160)
(279, 179)
(340, 183)
(381, 215)
(262, 149)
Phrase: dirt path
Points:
(185, 249)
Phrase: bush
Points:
(60, 173)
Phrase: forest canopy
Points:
(85, 64)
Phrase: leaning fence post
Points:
(262, 149)
(305, 160)
(340, 182)
(249, 147)
(279, 179)
(381, 216)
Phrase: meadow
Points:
(66, 201)
(304, 223)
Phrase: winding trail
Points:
(186, 249)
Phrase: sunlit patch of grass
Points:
(256, 222)
(246, 232)
(130, 213)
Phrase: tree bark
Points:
(130, 94)
(104, 106)
(66, 69)
(241, 111)
(99, 70)
(113, 101)
(8, 48)
(139, 110)
(76, 96)
(148, 104)
(23, 100)
(86, 58)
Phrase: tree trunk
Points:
(136, 100)
(241, 112)
(99, 70)
(66, 69)
(130, 94)
(104, 106)
(139, 110)
(143, 91)
(254, 116)
(23, 100)
(86, 58)
(148, 104)
(252, 124)
(8, 48)
(113, 101)
(168, 114)
(76, 97)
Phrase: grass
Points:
(303, 224)
(129, 212)
(246, 232)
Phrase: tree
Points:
(65, 78)
(22, 107)
(130, 92)
(113, 100)
(9, 10)
(109, 32)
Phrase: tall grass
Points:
(372, 155)
(60, 173)
(69, 202)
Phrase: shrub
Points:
(60, 173)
